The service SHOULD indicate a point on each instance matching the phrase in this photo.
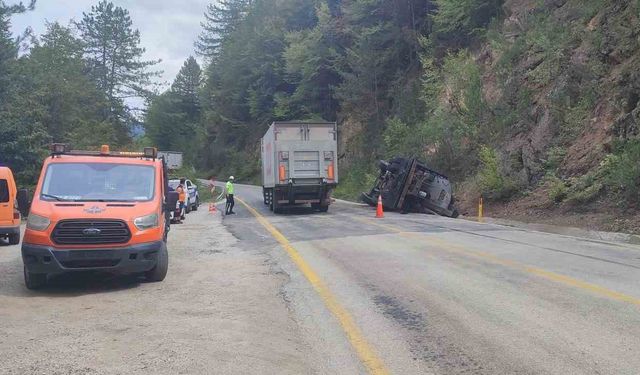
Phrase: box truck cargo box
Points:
(299, 164)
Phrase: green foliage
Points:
(577, 190)
(311, 58)
(584, 190)
(114, 58)
(173, 121)
(458, 120)
(554, 158)
(548, 42)
(493, 184)
(557, 188)
(623, 171)
(221, 19)
(63, 89)
(457, 20)
(360, 178)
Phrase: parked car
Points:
(193, 198)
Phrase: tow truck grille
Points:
(91, 232)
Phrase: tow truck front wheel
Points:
(159, 272)
(34, 281)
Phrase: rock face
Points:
(579, 65)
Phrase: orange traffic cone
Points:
(379, 210)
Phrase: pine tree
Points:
(112, 49)
(221, 19)
(73, 106)
(186, 89)
(173, 120)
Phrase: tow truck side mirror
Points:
(23, 202)
(172, 200)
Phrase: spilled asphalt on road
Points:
(336, 293)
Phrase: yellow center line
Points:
(552, 276)
(373, 364)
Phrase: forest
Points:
(531, 104)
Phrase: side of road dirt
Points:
(219, 311)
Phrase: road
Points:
(337, 293)
(448, 296)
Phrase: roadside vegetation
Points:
(514, 101)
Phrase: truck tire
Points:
(277, 209)
(265, 196)
(14, 239)
(159, 272)
(34, 281)
(323, 208)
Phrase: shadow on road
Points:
(72, 285)
(294, 211)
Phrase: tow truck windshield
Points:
(98, 182)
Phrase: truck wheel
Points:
(14, 239)
(277, 209)
(34, 281)
(159, 272)
(323, 208)
(265, 196)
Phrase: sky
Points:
(168, 28)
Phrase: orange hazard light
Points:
(282, 172)
(331, 172)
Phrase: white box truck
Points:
(299, 164)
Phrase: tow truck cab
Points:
(100, 211)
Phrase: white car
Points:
(193, 198)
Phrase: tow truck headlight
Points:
(38, 223)
(146, 222)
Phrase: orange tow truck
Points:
(98, 211)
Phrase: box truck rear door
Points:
(306, 164)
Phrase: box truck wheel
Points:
(277, 208)
(34, 281)
(159, 272)
(323, 208)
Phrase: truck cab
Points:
(98, 211)
(9, 214)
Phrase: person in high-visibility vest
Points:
(229, 190)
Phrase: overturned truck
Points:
(407, 185)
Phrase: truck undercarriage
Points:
(407, 185)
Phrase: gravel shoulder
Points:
(221, 310)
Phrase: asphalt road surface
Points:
(337, 293)
(428, 294)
